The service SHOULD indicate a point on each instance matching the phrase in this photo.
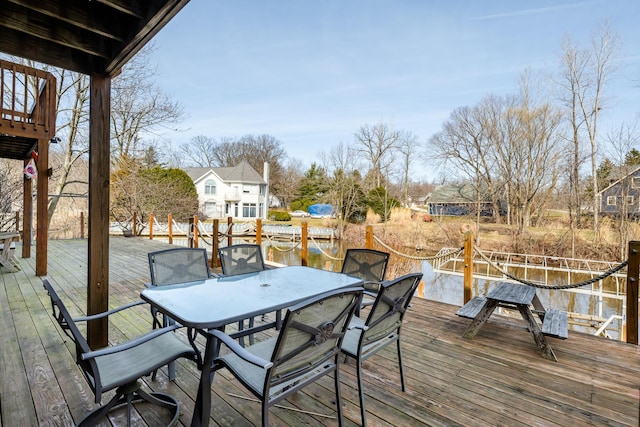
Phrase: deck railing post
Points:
(151, 226)
(82, 225)
(170, 227)
(368, 242)
(229, 231)
(304, 253)
(135, 223)
(190, 233)
(468, 265)
(195, 231)
(214, 243)
(633, 281)
(258, 231)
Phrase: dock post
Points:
(368, 242)
(633, 280)
(468, 265)
(151, 226)
(170, 226)
(304, 253)
(229, 231)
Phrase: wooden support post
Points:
(369, 237)
(468, 265)
(151, 226)
(258, 231)
(99, 155)
(82, 225)
(633, 281)
(42, 220)
(229, 231)
(170, 226)
(304, 236)
(214, 243)
(27, 218)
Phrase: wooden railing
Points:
(26, 98)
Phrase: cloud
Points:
(528, 12)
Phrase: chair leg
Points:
(400, 364)
(129, 394)
(338, 398)
(363, 411)
(265, 413)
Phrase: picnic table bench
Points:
(7, 251)
(521, 298)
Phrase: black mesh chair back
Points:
(240, 259)
(307, 348)
(382, 326)
(178, 265)
(121, 366)
(368, 264)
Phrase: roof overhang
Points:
(86, 36)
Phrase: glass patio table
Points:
(217, 302)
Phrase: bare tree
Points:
(583, 78)
(139, 107)
(345, 191)
(200, 151)
(10, 191)
(376, 143)
(407, 147)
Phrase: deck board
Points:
(497, 378)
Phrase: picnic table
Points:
(8, 249)
(522, 298)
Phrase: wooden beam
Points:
(27, 214)
(633, 282)
(42, 227)
(99, 161)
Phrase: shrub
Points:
(279, 216)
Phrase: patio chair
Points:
(176, 265)
(371, 266)
(121, 366)
(381, 327)
(240, 259)
(306, 348)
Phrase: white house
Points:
(238, 192)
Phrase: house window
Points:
(261, 212)
(210, 187)
(611, 200)
(210, 208)
(635, 182)
(249, 210)
(629, 200)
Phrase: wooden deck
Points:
(498, 378)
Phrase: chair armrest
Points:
(240, 351)
(130, 344)
(108, 313)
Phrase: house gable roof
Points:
(243, 172)
(617, 181)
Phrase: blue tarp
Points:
(321, 210)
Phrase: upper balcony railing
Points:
(27, 101)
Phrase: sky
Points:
(311, 73)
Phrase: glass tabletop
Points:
(220, 301)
